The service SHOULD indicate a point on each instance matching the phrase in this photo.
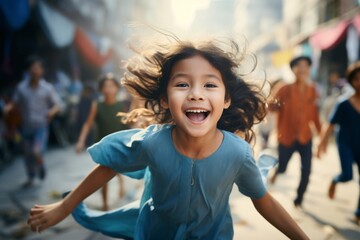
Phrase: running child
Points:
(346, 115)
(199, 100)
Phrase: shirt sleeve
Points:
(122, 151)
(54, 97)
(249, 179)
(278, 99)
(316, 117)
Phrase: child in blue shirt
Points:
(346, 115)
(193, 156)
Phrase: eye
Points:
(210, 85)
(181, 85)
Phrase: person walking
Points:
(38, 103)
(296, 104)
(346, 115)
(103, 113)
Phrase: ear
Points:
(164, 103)
(227, 103)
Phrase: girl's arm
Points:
(275, 214)
(43, 217)
(86, 127)
(324, 139)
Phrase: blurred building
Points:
(76, 37)
(257, 17)
(326, 30)
(78, 40)
(217, 19)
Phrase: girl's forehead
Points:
(195, 63)
(108, 82)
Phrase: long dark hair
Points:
(149, 73)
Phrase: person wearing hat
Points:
(346, 115)
(296, 104)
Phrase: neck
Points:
(357, 94)
(197, 147)
(300, 82)
(110, 100)
(34, 82)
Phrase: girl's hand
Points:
(43, 217)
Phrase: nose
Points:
(195, 94)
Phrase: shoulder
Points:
(342, 103)
(131, 138)
(236, 145)
(23, 85)
(46, 85)
(156, 133)
(283, 89)
(313, 88)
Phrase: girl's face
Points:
(109, 88)
(195, 96)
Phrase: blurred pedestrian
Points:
(103, 113)
(338, 90)
(296, 104)
(346, 116)
(38, 103)
(194, 159)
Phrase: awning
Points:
(329, 37)
(281, 58)
(58, 28)
(89, 50)
(14, 13)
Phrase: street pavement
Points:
(320, 217)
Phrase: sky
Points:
(184, 11)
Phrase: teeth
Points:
(196, 111)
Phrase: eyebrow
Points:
(176, 75)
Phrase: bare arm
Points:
(86, 128)
(324, 139)
(43, 217)
(52, 112)
(275, 214)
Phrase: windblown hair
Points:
(149, 74)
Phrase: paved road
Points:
(321, 218)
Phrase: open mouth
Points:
(197, 115)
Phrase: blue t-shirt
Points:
(348, 119)
(35, 102)
(189, 197)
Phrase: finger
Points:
(43, 227)
(37, 209)
(33, 227)
(36, 212)
(36, 222)
(38, 226)
(31, 219)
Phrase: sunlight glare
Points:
(184, 11)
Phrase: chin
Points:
(198, 130)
